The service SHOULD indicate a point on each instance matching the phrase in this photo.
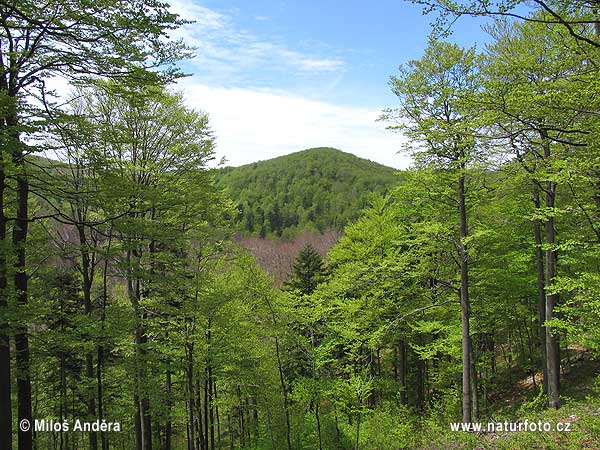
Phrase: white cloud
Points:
(252, 125)
(224, 52)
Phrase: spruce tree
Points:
(307, 271)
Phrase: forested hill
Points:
(318, 189)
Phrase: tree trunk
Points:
(541, 292)
(168, 425)
(87, 272)
(402, 372)
(5, 377)
(190, 387)
(143, 427)
(285, 397)
(420, 385)
(464, 301)
(230, 428)
(318, 419)
(64, 407)
(214, 395)
(138, 423)
(144, 403)
(211, 413)
(206, 417)
(241, 418)
(101, 394)
(281, 381)
(101, 346)
(248, 421)
(552, 348)
(357, 432)
(201, 436)
(21, 333)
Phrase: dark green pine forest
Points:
(405, 308)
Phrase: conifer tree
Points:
(307, 271)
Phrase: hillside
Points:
(315, 189)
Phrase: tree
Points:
(307, 271)
(434, 95)
(534, 97)
(156, 151)
(579, 18)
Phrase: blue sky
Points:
(280, 76)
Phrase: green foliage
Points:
(139, 302)
(308, 271)
(320, 188)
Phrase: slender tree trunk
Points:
(5, 377)
(281, 380)
(144, 403)
(201, 419)
(143, 427)
(100, 362)
(25, 438)
(530, 351)
(139, 439)
(64, 407)
(318, 425)
(270, 424)
(541, 292)
(241, 418)
(402, 372)
(285, 395)
(395, 363)
(464, 300)
(87, 271)
(420, 385)
(337, 431)
(248, 421)
(63, 396)
(255, 417)
(552, 348)
(230, 428)
(214, 396)
(211, 409)
(168, 425)
(206, 416)
(190, 388)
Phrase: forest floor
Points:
(521, 402)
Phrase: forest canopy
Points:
(319, 188)
(462, 292)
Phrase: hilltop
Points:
(317, 189)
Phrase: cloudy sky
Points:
(280, 76)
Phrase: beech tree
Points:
(434, 95)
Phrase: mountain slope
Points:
(314, 189)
